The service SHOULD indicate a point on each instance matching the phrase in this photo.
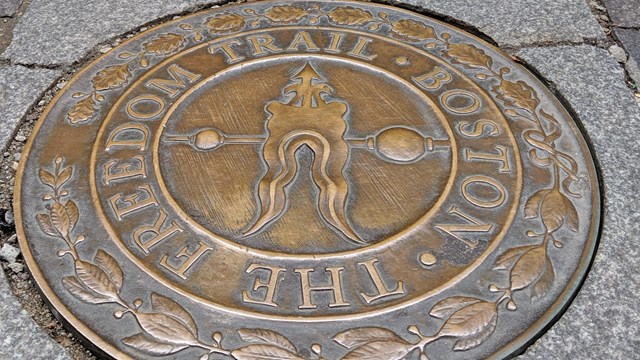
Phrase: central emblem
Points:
(310, 115)
(310, 119)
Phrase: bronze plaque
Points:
(308, 180)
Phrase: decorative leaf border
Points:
(470, 320)
(169, 328)
(118, 76)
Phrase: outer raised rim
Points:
(513, 348)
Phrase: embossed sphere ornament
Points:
(307, 180)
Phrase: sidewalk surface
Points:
(587, 50)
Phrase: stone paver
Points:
(20, 88)
(604, 320)
(9, 7)
(20, 336)
(630, 39)
(624, 12)
(518, 23)
(54, 32)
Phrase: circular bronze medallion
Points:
(336, 180)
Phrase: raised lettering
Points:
(124, 170)
(132, 202)
(263, 44)
(360, 47)
(471, 104)
(117, 138)
(302, 39)
(270, 285)
(381, 288)
(158, 234)
(336, 41)
(479, 127)
(178, 76)
(230, 55)
(335, 286)
(472, 225)
(432, 80)
(137, 107)
(190, 259)
(501, 157)
(475, 200)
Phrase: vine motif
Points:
(168, 328)
(468, 320)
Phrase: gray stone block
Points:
(618, 53)
(630, 39)
(517, 23)
(9, 8)
(9, 253)
(55, 32)
(624, 12)
(604, 320)
(20, 336)
(20, 87)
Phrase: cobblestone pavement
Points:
(588, 51)
(623, 21)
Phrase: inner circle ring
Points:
(101, 213)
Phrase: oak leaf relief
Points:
(469, 56)
(285, 14)
(413, 30)
(347, 15)
(518, 94)
(112, 77)
(165, 44)
(82, 111)
(225, 23)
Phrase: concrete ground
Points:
(588, 51)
